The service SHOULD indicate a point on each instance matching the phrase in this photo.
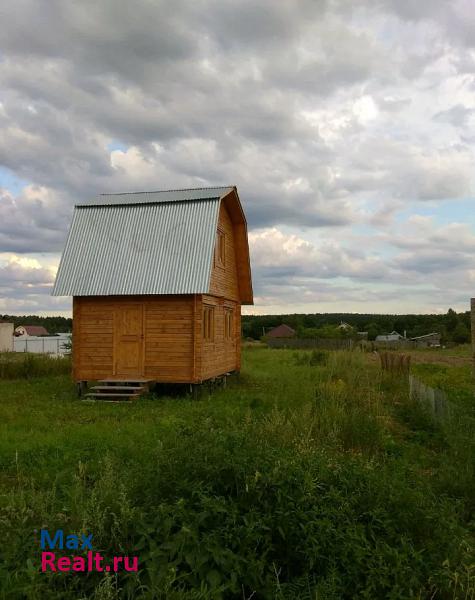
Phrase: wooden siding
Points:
(224, 279)
(167, 338)
(219, 355)
(93, 338)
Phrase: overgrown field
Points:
(310, 477)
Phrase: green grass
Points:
(458, 351)
(16, 365)
(309, 477)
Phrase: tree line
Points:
(453, 326)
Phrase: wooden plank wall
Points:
(93, 338)
(219, 355)
(169, 339)
(167, 329)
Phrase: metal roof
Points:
(282, 330)
(426, 335)
(141, 243)
(160, 196)
(391, 337)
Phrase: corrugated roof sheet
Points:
(163, 247)
(391, 337)
(160, 196)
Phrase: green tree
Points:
(373, 331)
(461, 333)
(451, 320)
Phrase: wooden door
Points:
(129, 340)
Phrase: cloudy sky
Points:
(348, 127)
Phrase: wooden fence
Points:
(302, 343)
(434, 400)
(395, 363)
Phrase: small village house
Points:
(281, 331)
(390, 341)
(30, 331)
(394, 336)
(158, 280)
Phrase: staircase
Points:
(115, 390)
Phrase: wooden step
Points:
(118, 388)
(118, 400)
(126, 381)
(104, 395)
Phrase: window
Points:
(228, 323)
(208, 323)
(220, 252)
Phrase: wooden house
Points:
(158, 280)
(281, 331)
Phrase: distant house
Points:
(429, 340)
(30, 330)
(344, 326)
(281, 331)
(393, 337)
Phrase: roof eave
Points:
(233, 205)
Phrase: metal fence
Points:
(433, 399)
(42, 345)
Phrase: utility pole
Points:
(472, 321)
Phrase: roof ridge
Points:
(210, 187)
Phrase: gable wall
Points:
(224, 281)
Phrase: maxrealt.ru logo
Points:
(86, 562)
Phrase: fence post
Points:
(472, 306)
(26, 345)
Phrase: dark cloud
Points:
(434, 260)
(29, 223)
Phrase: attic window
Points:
(220, 253)
(208, 323)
